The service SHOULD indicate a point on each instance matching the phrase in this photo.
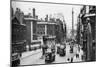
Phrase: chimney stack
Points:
(36, 17)
(33, 12)
(46, 19)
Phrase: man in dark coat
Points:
(44, 47)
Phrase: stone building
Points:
(45, 28)
(87, 31)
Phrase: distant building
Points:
(45, 28)
(60, 31)
(51, 28)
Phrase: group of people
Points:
(76, 53)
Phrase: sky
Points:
(46, 8)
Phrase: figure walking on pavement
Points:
(44, 48)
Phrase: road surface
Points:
(34, 57)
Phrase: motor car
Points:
(62, 50)
(49, 56)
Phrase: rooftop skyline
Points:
(42, 9)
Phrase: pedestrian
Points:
(71, 49)
(44, 47)
(71, 59)
(79, 48)
(77, 55)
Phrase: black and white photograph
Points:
(52, 33)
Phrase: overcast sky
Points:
(44, 8)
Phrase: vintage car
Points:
(61, 49)
(49, 56)
(15, 59)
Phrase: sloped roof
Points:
(15, 19)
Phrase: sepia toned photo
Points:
(52, 33)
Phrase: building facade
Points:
(45, 28)
(31, 30)
(87, 31)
